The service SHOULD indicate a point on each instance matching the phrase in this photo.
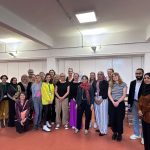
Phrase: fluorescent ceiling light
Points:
(10, 40)
(94, 31)
(86, 17)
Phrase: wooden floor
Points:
(65, 140)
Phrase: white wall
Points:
(17, 69)
(126, 66)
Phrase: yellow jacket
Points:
(47, 92)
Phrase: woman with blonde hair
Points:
(117, 92)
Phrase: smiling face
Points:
(84, 79)
(147, 79)
(48, 78)
(62, 77)
(76, 77)
(70, 72)
(100, 75)
(115, 78)
(92, 76)
(22, 97)
(139, 74)
(14, 81)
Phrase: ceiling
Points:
(56, 18)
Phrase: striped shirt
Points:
(117, 90)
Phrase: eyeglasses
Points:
(138, 73)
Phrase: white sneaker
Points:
(52, 123)
(45, 128)
(95, 125)
(57, 126)
(134, 137)
(86, 131)
(76, 130)
(48, 124)
(142, 141)
(66, 127)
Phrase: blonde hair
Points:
(112, 82)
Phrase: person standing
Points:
(117, 92)
(85, 101)
(144, 110)
(37, 102)
(70, 75)
(13, 93)
(47, 91)
(72, 96)
(4, 102)
(62, 92)
(101, 103)
(134, 95)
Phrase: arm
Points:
(124, 95)
(109, 94)
(92, 95)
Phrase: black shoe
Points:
(119, 137)
(114, 136)
(101, 134)
(97, 130)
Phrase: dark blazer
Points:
(103, 86)
(79, 96)
(132, 92)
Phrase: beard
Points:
(139, 78)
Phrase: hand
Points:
(74, 99)
(91, 107)
(61, 98)
(22, 123)
(140, 113)
(76, 106)
(116, 104)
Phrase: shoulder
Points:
(124, 84)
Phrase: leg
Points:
(58, 111)
(19, 127)
(45, 113)
(6, 111)
(40, 112)
(53, 113)
(135, 119)
(80, 111)
(104, 117)
(87, 116)
(2, 114)
(65, 111)
(97, 114)
(72, 113)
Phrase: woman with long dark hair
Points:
(13, 92)
(22, 113)
(84, 100)
(144, 110)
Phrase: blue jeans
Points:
(37, 103)
(136, 122)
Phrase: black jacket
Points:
(132, 92)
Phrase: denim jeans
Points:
(38, 110)
(136, 122)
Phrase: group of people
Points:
(51, 99)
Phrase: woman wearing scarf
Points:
(144, 110)
(85, 100)
(101, 103)
(13, 92)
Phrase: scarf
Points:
(146, 87)
(86, 87)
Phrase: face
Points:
(84, 80)
(30, 73)
(4, 79)
(24, 79)
(14, 81)
(52, 73)
(33, 78)
(139, 74)
(70, 72)
(62, 77)
(92, 76)
(48, 78)
(100, 76)
(42, 74)
(115, 78)
(147, 79)
(22, 97)
(76, 77)
(37, 79)
(109, 73)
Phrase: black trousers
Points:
(84, 107)
(146, 134)
(52, 112)
(46, 115)
(12, 113)
(117, 116)
(20, 128)
(109, 112)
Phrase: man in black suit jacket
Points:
(134, 95)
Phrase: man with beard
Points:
(134, 95)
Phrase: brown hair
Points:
(120, 81)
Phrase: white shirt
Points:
(137, 88)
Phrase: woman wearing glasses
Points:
(62, 91)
